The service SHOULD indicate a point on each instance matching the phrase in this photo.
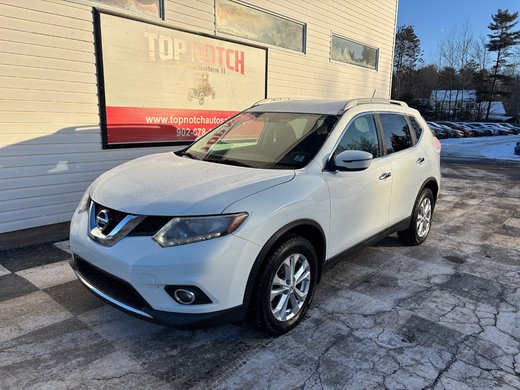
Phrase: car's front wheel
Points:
(421, 222)
(286, 286)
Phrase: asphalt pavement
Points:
(444, 315)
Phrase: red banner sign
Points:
(163, 86)
(133, 124)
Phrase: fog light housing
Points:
(187, 295)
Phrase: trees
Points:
(407, 55)
(456, 67)
(476, 70)
(501, 40)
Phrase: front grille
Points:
(115, 216)
(109, 284)
(148, 227)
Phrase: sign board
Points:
(161, 86)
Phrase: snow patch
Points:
(496, 148)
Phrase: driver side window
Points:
(361, 134)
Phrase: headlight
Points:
(180, 231)
(84, 203)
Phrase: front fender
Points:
(272, 213)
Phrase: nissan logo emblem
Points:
(102, 219)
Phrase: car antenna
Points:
(374, 94)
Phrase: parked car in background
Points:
(451, 133)
(245, 220)
(455, 133)
(509, 129)
(480, 128)
(499, 129)
(437, 130)
(466, 131)
(514, 129)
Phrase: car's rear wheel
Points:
(421, 222)
(286, 286)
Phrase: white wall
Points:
(50, 140)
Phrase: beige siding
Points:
(312, 74)
(194, 15)
(50, 141)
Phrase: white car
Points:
(244, 222)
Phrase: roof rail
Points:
(270, 100)
(356, 102)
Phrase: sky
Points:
(434, 20)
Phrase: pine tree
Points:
(406, 56)
(501, 40)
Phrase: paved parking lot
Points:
(444, 315)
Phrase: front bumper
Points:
(219, 267)
(140, 309)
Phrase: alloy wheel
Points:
(290, 287)
(424, 217)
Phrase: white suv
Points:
(244, 222)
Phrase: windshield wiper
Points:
(190, 155)
(282, 166)
(229, 162)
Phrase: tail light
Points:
(437, 145)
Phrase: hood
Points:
(166, 184)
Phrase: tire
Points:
(287, 308)
(190, 96)
(201, 98)
(421, 222)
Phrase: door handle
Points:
(385, 175)
(420, 160)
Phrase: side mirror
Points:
(353, 160)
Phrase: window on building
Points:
(397, 133)
(149, 7)
(350, 52)
(251, 23)
(361, 134)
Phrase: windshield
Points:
(265, 140)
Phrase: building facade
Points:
(75, 75)
(465, 105)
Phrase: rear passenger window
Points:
(396, 132)
(361, 134)
(416, 127)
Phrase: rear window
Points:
(416, 127)
(396, 132)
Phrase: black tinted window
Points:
(416, 127)
(396, 131)
(361, 134)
